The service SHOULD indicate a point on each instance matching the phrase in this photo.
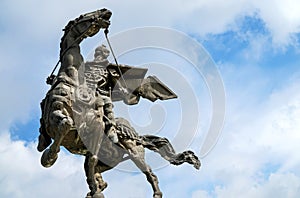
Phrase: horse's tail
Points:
(166, 150)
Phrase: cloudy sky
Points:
(255, 47)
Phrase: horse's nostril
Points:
(106, 14)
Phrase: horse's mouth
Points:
(105, 14)
(101, 22)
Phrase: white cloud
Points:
(281, 18)
(257, 153)
(200, 194)
(21, 174)
(277, 185)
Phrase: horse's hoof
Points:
(103, 186)
(98, 195)
(157, 195)
(47, 160)
(89, 195)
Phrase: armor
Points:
(98, 79)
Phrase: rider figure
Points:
(103, 90)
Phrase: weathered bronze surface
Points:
(77, 112)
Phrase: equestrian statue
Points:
(77, 112)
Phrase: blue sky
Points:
(255, 46)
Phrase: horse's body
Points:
(60, 119)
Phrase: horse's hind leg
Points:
(137, 154)
(63, 123)
(94, 180)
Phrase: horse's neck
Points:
(70, 56)
(71, 59)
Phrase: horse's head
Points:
(87, 25)
(99, 19)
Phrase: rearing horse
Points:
(57, 108)
(61, 116)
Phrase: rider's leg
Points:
(111, 123)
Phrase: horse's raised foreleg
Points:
(94, 180)
(137, 154)
(63, 123)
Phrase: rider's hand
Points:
(124, 90)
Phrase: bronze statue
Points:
(77, 112)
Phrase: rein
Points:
(51, 77)
(115, 59)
